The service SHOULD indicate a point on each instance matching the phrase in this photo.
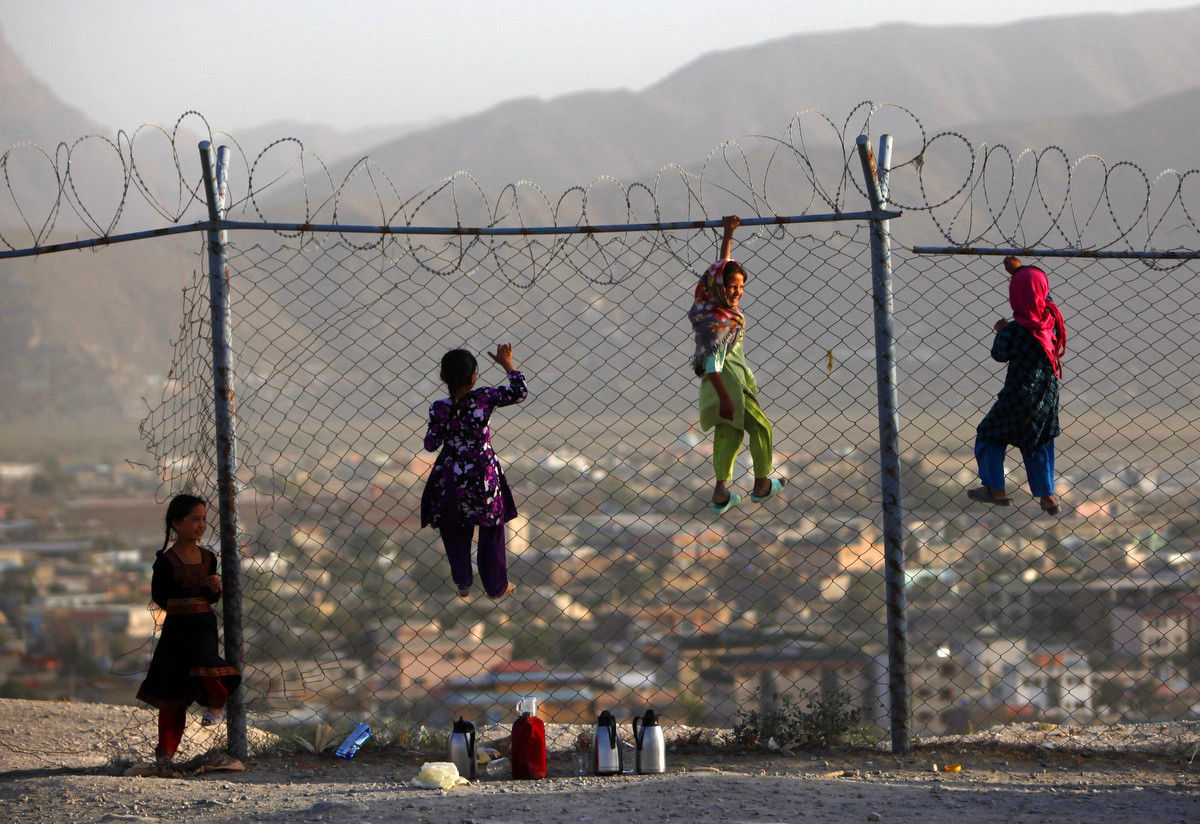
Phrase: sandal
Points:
(1049, 509)
(721, 509)
(984, 495)
(776, 486)
(211, 718)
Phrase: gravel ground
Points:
(57, 765)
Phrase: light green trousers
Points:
(727, 442)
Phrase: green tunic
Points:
(738, 380)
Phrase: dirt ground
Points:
(57, 765)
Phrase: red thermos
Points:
(528, 742)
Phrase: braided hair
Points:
(177, 510)
(458, 365)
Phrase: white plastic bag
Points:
(439, 775)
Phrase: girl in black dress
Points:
(186, 665)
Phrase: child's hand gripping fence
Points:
(630, 594)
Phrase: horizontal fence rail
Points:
(221, 225)
(1094, 254)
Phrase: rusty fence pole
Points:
(216, 171)
(876, 176)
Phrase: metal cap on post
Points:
(216, 193)
(889, 442)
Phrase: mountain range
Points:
(86, 334)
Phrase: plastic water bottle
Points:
(353, 741)
(498, 768)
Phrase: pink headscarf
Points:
(717, 324)
(1029, 295)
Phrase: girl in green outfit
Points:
(727, 387)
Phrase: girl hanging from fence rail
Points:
(466, 487)
(727, 387)
(186, 665)
(1025, 413)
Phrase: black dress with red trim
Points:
(188, 649)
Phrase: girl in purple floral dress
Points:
(466, 487)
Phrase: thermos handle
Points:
(612, 733)
(471, 745)
(638, 738)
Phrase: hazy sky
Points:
(370, 62)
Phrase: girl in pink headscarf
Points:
(1025, 413)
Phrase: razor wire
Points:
(629, 593)
(974, 194)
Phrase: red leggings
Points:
(172, 720)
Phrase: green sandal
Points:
(776, 486)
(721, 509)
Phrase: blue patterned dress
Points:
(466, 484)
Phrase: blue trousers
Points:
(1039, 466)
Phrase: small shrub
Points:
(321, 738)
(695, 712)
(694, 740)
(417, 737)
(822, 721)
(317, 740)
(14, 688)
(401, 733)
(268, 745)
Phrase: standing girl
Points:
(466, 487)
(186, 665)
(727, 386)
(1025, 413)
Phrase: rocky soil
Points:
(64, 763)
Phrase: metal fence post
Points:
(216, 192)
(889, 442)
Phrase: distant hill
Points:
(1151, 133)
(327, 142)
(1148, 135)
(85, 333)
(32, 112)
(1031, 70)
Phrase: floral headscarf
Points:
(718, 325)
(1029, 295)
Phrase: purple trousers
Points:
(493, 564)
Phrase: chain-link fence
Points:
(630, 593)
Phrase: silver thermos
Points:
(462, 748)
(651, 746)
(606, 751)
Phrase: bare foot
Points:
(464, 593)
(720, 494)
(511, 589)
(762, 486)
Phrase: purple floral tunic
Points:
(466, 485)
